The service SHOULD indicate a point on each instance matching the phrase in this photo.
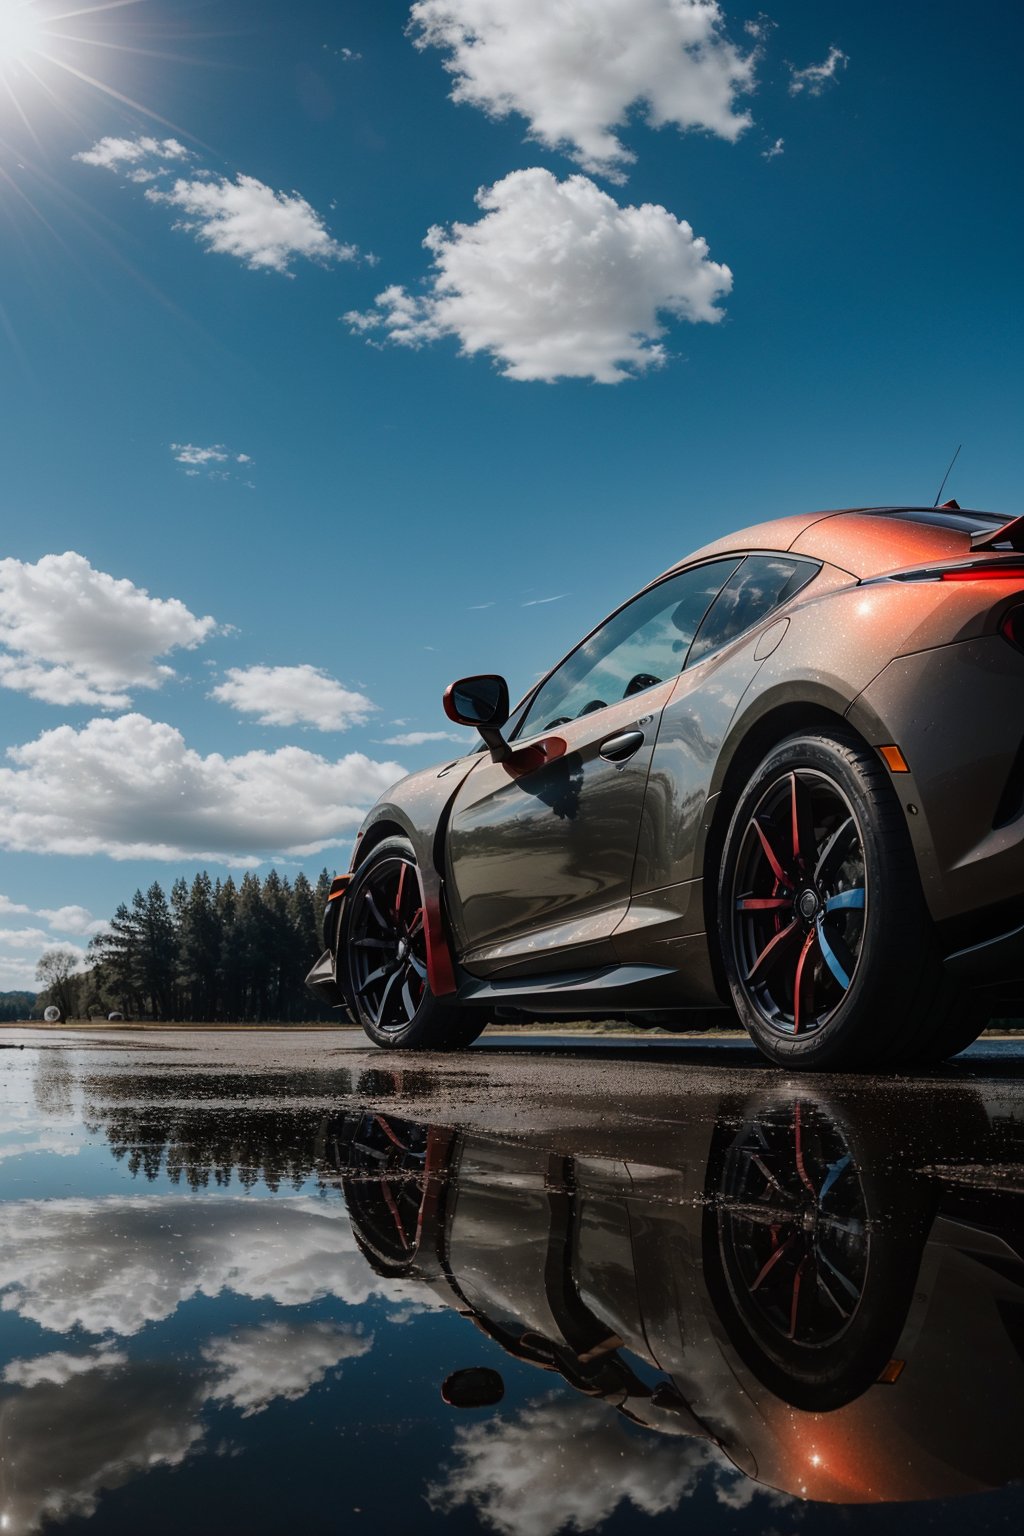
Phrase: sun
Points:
(21, 31)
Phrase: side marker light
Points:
(891, 1373)
(895, 761)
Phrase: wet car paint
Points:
(236, 1268)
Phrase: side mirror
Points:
(481, 702)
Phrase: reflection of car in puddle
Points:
(808, 1285)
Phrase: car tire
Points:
(385, 960)
(828, 949)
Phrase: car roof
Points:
(866, 541)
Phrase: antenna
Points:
(946, 476)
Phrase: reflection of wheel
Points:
(382, 1163)
(829, 953)
(811, 1258)
(385, 943)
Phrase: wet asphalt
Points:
(250, 1279)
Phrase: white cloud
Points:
(419, 738)
(60, 1367)
(576, 70)
(17, 938)
(75, 635)
(114, 1264)
(816, 77)
(556, 280)
(131, 788)
(216, 462)
(302, 695)
(568, 1465)
(9, 906)
(245, 218)
(256, 1366)
(538, 602)
(142, 159)
(774, 150)
(73, 919)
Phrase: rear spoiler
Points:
(1009, 536)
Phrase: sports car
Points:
(783, 784)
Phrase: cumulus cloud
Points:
(419, 738)
(131, 788)
(265, 229)
(576, 70)
(111, 1265)
(74, 635)
(240, 217)
(556, 280)
(774, 150)
(816, 77)
(567, 1465)
(256, 1366)
(302, 695)
(142, 159)
(73, 919)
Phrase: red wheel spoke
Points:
(770, 854)
(771, 1262)
(803, 983)
(802, 819)
(763, 903)
(775, 950)
(795, 1298)
(798, 1148)
(401, 888)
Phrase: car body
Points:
(577, 862)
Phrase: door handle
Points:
(617, 749)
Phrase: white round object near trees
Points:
(51, 1015)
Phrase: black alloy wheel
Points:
(830, 955)
(385, 945)
(799, 901)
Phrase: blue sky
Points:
(402, 514)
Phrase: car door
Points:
(541, 846)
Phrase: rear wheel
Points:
(829, 952)
(386, 956)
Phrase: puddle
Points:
(254, 1297)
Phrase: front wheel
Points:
(828, 949)
(385, 953)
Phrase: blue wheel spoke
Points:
(831, 958)
(845, 899)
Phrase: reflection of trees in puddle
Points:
(207, 1132)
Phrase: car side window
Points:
(761, 583)
(639, 647)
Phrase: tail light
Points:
(1006, 570)
(1011, 627)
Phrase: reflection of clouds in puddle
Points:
(569, 1466)
(278, 1360)
(59, 1367)
(65, 1443)
(77, 1425)
(112, 1265)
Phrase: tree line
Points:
(213, 951)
